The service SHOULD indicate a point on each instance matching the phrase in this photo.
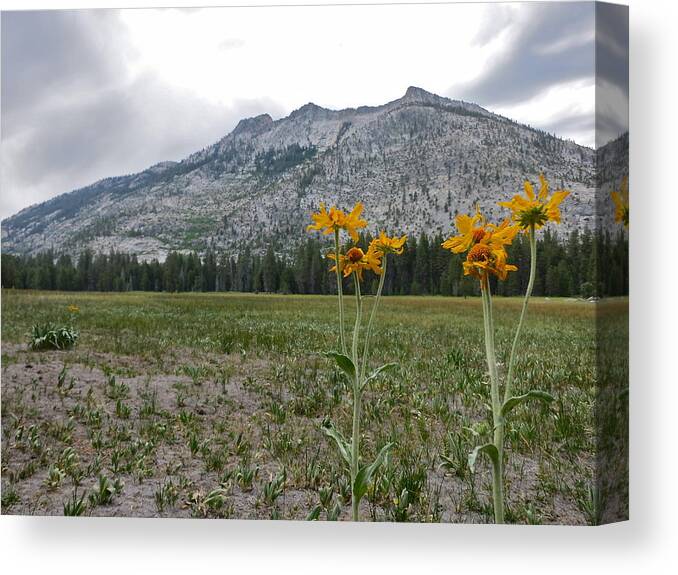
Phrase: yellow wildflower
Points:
(484, 258)
(485, 245)
(472, 230)
(73, 309)
(536, 210)
(388, 245)
(334, 220)
(621, 202)
(356, 260)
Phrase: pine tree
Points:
(585, 264)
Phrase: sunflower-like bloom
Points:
(388, 245)
(356, 260)
(621, 203)
(472, 229)
(330, 222)
(536, 210)
(73, 308)
(485, 244)
(485, 258)
(475, 229)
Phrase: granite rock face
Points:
(414, 162)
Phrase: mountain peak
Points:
(308, 109)
(416, 92)
(255, 125)
(418, 95)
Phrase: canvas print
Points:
(317, 263)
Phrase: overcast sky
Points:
(89, 94)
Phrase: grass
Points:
(210, 405)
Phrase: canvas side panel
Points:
(611, 493)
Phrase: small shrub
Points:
(274, 488)
(75, 506)
(9, 497)
(103, 493)
(55, 476)
(48, 336)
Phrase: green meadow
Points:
(210, 405)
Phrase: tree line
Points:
(583, 264)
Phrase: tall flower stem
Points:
(372, 314)
(355, 437)
(340, 292)
(528, 294)
(498, 420)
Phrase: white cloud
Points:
(337, 56)
(567, 109)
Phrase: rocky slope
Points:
(414, 162)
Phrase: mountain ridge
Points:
(414, 161)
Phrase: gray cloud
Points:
(612, 44)
(567, 126)
(552, 46)
(500, 17)
(44, 52)
(549, 48)
(124, 129)
(612, 72)
(72, 114)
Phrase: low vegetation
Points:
(211, 405)
(49, 336)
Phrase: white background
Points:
(646, 544)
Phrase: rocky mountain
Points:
(414, 162)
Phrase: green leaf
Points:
(314, 514)
(377, 372)
(489, 449)
(344, 362)
(343, 445)
(446, 463)
(511, 402)
(364, 476)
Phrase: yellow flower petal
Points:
(464, 223)
(530, 211)
(543, 188)
(529, 190)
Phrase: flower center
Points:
(535, 215)
(354, 255)
(479, 253)
(477, 234)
